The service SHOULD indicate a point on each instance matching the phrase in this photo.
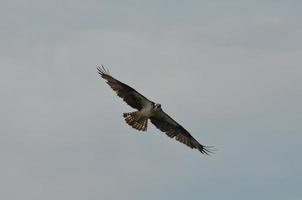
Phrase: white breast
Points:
(147, 110)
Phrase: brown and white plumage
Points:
(150, 110)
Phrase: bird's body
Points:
(146, 110)
(139, 119)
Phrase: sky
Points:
(228, 71)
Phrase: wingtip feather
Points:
(104, 72)
(207, 150)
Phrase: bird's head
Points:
(157, 106)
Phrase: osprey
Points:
(147, 109)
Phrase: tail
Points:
(135, 121)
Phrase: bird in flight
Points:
(147, 109)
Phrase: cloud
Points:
(229, 73)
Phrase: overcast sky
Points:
(229, 71)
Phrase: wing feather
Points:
(127, 93)
(172, 129)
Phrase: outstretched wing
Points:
(128, 94)
(166, 124)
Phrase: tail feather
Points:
(134, 121)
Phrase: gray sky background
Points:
(228, 71)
